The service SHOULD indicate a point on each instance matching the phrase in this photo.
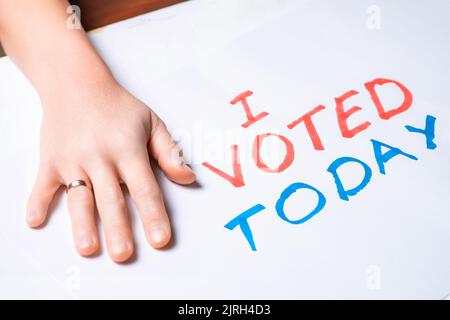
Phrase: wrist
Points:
(77, 84)
(80, 74)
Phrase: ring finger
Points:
(81, 209)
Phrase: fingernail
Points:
(121, 247)
(121, 250)
(32, 216)
(158, 233)
(86, 241)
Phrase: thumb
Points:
(167, 153)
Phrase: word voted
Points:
(382, 152)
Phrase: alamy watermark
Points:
(74, 18)
(373, 20)
(373, 277)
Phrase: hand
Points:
(103, 135)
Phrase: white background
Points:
(187, 62)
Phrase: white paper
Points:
(388, 241)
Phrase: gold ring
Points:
(76, 183)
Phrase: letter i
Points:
(251, 119)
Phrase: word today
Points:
(382, 151)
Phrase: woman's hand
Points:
(103, 135)
(92, 130)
